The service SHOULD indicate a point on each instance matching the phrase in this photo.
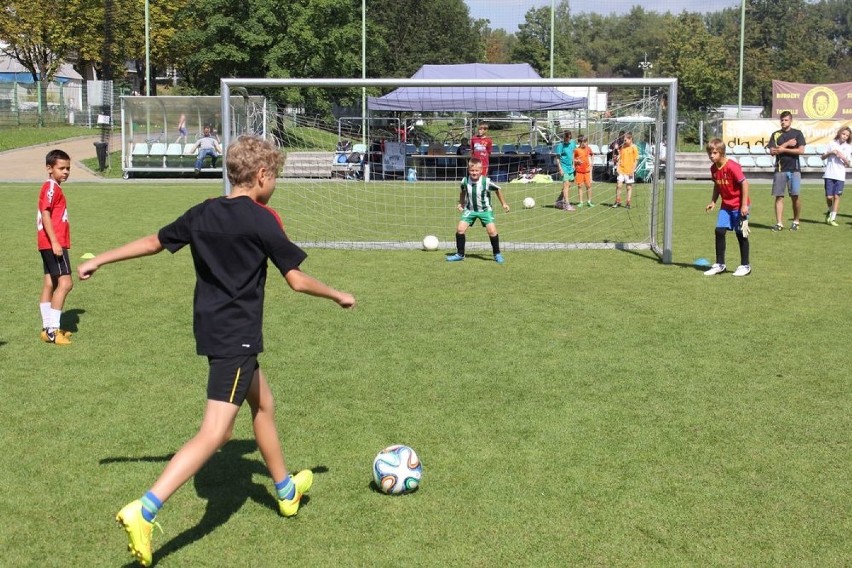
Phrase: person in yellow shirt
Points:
(628, 158)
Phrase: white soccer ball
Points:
(430, 242)
(397, 470)
(529, 203)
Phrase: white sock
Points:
(45, 313)
(55, 315)
(831, 216)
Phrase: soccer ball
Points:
(529, 203)
(430, 242)
(397, 470)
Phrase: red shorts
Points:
(584, 178)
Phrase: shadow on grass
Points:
(71, 319)
(226, 483)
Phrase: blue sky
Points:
(507, 14)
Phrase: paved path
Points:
(27, 164)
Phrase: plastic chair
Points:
(740, 150)
(525, 149)
(764, 162)
(815, 162)
(138, 154)
(174, 155)
(757, 150)
(747, 162)
(509, 149)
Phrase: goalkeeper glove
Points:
(744, 228)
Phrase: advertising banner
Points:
(817, 102)
(756, 132)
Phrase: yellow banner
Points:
(756, 132)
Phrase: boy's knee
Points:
(720, 231)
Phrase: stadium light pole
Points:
(147, 50)
(742, 44)
(645, 66)
(552, 32)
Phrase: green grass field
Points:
(592, 408)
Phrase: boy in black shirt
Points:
(231, 239)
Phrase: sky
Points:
(507, 14)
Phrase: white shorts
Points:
(624, 178)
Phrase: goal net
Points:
(377, 163)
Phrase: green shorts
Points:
(470, 217)
(568, 176)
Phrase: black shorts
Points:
(230, 377)
(55, 265)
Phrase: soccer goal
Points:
(377, 163)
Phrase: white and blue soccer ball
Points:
(397, 470)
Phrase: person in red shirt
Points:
(54, 242)
(730, 183)
(480, 147)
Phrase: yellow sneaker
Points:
(56, 336)
(303, 480)
(138, 531)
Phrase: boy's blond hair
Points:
(248, 155)
(716, 144)
(474, 162)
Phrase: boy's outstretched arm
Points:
(145, 246)
(301, 282)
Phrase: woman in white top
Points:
(837, 157)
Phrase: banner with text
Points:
(756, 132)
(818, 102)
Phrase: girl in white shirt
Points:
(837, 157)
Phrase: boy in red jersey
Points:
(729, 182)
(231, 238)
(54, 241)
(480, 147)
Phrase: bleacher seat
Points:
(810, 149)
(757, 150)
(740, 150)
(188, 150)
(747, 161)
(598, 161)
(360, 148)
(815, 162)
(424, 148)
(174, 155)
(803, 161)
(819, 149)
(138, 154)
(410, 149)
(508, 149)
(525, 149)
(595, 148)
(764, 162)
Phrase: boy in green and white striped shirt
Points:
(475, 203)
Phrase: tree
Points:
(699, 60)
(533, 41)
(34, 33)
(417, 32)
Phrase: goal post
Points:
(390, 178)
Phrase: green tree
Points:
(533, 41)
(699, 60)
(417, 32)
(784, 39)
(34, 34)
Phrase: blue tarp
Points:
(476, 99)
